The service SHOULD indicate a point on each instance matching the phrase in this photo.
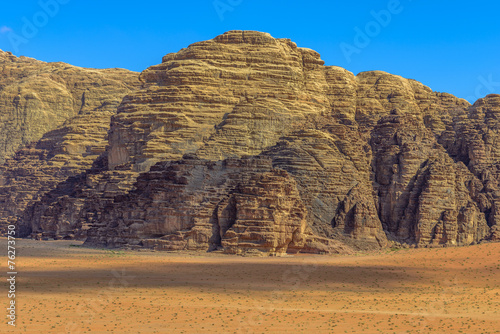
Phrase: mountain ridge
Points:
(369, 160)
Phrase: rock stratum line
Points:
(246, 144)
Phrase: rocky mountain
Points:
(55, 119)
(248, 143)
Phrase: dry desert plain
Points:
(65, 288)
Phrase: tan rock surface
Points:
(475, 140)
(60, 114)
(365, 156)
(38, 97)
(237, 205)
(424, 196)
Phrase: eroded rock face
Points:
(247, 142)
(332, 169)
(475, 140)
(231, 96)
(424, 196)
(238, 205)
(38, 97)
(55, 117)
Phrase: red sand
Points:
(63, 289)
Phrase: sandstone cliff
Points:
(474, 139)
(55, 117)
(249, 142)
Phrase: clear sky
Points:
(451, 46)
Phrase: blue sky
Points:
(451, 46)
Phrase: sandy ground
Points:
(65, 288)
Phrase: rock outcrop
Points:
(249, 143)
(424, 196)
(38, 97)
(474, 139)
(238, 205)
(55, 117)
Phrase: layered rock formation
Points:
(423, 194)
(247, 142)
(474, 139)
(38, 97)
(56, 116)
(238, 205)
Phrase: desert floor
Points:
(65, 288)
